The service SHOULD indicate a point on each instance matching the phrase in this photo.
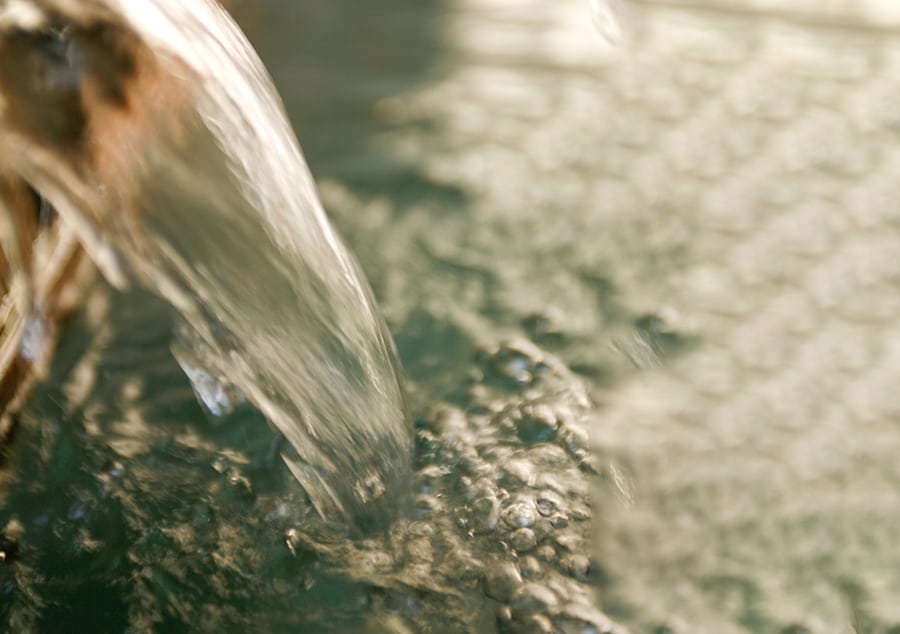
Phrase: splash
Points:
(607, 20)
(153, 128)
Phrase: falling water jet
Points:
(154, 130)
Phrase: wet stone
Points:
(501, 581)
(532, 598)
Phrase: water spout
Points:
(153, 128)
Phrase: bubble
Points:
(433, 478)
(546, 553)
(543, 329)
(502, 580)
(577, 566)
(523, 540)
(513, 365)
(549, 503)
(581, 618)
(538, 425)
(532, 598)
(537, 624)
(517, 473)
(484, 513)
(471, 465)
(530, 567)
(570, 541)
(520, 514)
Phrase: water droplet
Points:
(34, 338)
(293, 540)
(217, 394)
